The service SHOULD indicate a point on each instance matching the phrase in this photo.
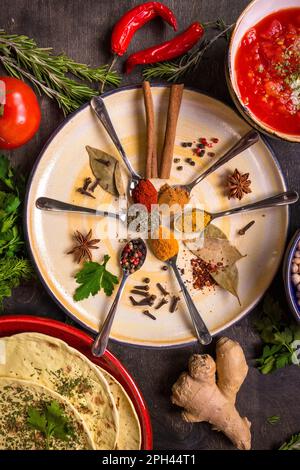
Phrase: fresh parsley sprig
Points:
(50, 74)
(51, 422)
(93, 277)
(278, 334)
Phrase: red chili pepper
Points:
(136, 18)
(167, 50)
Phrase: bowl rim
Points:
(289, 288)
(243, 109)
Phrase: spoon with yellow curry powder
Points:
(180, 194)
(165, 247)
(195, 220)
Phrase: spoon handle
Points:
(100, 344)
(48, 204)
(245, 142)
(283, 199)
(99, 108)
(203, 335)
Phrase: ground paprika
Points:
(145, 193)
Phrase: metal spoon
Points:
(98, 106)
(48, 204)
(101, 340)
(202, 333)
(282, 199)
(245, 142)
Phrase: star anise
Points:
(83, 247)
(238, 185)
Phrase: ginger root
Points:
(205, 399)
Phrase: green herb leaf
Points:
(273, 420)
(292, 444)
(52, 74)
(278, 333)
(93, 277)
(50, 421)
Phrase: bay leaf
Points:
(119, 180)
(228, 279)
(105, 173)
(214, 247)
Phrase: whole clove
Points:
(139, 292)
(85, 192)
(146, 280)
(86, 183)
(94, 185)
(162, 289)
(148, 314)
(163, 301)
(243, 230)
(142, 287)
(147, 301)
(174, 303)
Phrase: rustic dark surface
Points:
(82, 30)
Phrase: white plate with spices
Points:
(63, 165)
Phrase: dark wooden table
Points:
(81, 28)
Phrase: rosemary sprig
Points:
(174, 70)
(292, 444)
(49, 73)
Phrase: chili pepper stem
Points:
(111, 66)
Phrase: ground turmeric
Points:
(193, 221)
(163, 244)
(205, 399)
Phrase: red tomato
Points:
(21, 116)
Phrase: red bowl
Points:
(13, 324)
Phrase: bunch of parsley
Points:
(13, 265)
(279, 334)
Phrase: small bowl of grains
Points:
(291, 274)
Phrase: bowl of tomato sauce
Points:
(263, 71)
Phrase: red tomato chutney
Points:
(268, 70)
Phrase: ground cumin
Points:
(173, 195)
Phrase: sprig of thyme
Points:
(174, 70)
(50, 74)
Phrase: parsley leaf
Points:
(93, 277)
(51, 422)
(292, 444)
(278, 333)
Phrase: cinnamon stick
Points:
(151, 158)
(172, 118)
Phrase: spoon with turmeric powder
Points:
(195, 220)
(165, 247)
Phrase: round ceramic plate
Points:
(64, 164)
(14, 324)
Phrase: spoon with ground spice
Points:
(165, 247)
(132, 259)
(195, 220)
(180, 194)
(98, 106)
